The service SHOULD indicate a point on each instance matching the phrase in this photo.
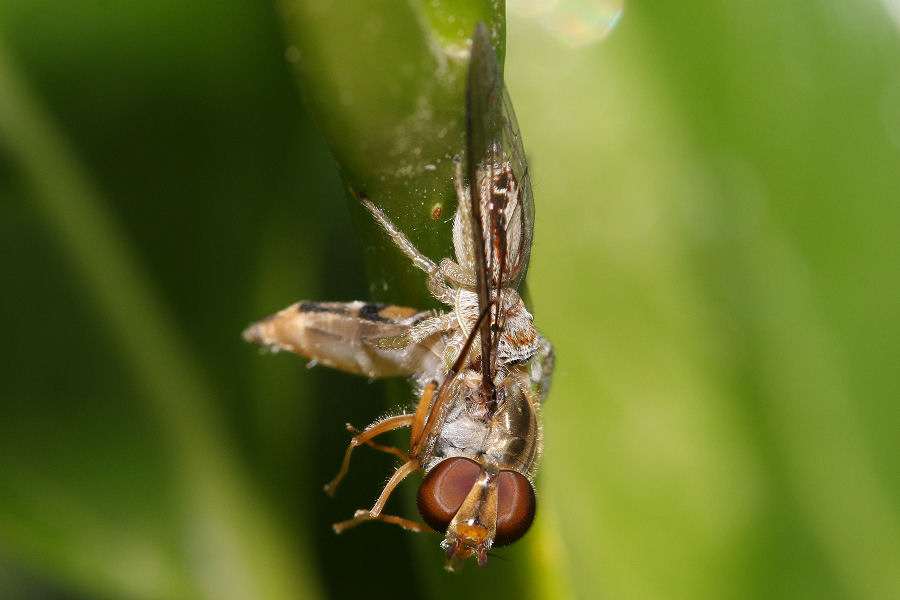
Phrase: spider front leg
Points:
(462, 194)
(399, 238)
(438, 275)
(457, 276)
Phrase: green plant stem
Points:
(386, 84)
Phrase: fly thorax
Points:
(461, 433)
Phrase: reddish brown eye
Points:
(444, 488)
(515, 507)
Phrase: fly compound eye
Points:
(515, 507)
(444, 488)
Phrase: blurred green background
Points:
(716, 261)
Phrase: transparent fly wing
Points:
(499, 188)
(497, 169)
(522, 218)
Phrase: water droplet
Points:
(292, 54)
(577, 22)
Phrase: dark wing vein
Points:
(499, 191)
(483, 74)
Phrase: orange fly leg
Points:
(364, 515)
(418, 424)
(407, 524)
(389, 424)
(399, 475)
(428, 419)
(380, 447)
(375, 512)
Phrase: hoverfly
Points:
(481, 370)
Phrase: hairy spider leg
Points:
(417, 333)
(438, 275)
